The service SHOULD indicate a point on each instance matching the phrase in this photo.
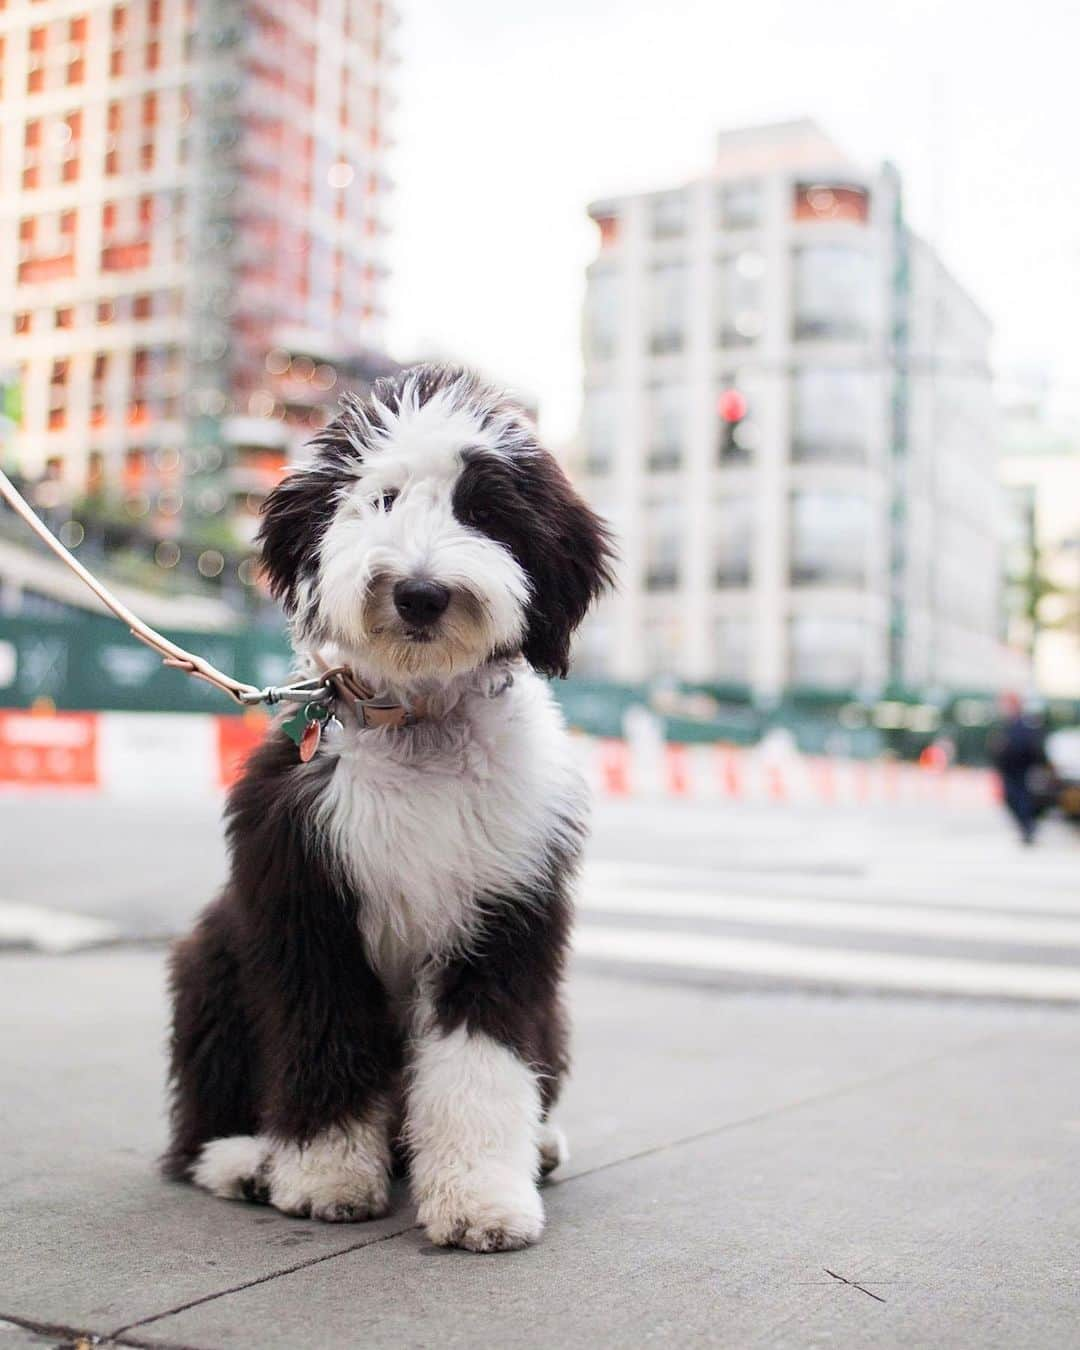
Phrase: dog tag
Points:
(304, 728)
(309, 741)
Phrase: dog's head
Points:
(430, 532)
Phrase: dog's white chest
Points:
(425, 827)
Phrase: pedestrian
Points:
(1018, 751)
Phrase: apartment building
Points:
(192, 231)
(788, 418)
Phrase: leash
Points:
(316, 691)
(317, 698)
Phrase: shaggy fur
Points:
(383, 968)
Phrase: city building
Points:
(1040, 470)
(788, 418)
(192, 231)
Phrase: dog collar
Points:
(371, 711)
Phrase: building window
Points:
(141, 307)
(602, 314)
(608, 225)
(667, 307)
(667, 426)
(661, 642)
(830, 535)
(831, 415)
(821, 201)
(601, 429)
(664, 527)
(740, 305)
(731, 649)
(669, 215)
(832, 292)
(739, 205)
(64, 318)
(826, 652)
(23, 322)
(732, 529)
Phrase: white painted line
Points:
(828, 965)
(51, 930)
(927, 888)
(849, 915)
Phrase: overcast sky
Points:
(516, 113)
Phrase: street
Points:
(918, 899)
(768, 1146)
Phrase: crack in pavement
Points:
(854, 1284)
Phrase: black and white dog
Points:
(383, 967)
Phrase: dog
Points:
(380, 979)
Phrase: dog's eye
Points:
(387, 500)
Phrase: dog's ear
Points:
(295, 516)
(568, 555)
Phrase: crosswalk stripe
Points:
(827, 966)
(927, 888)
(51, 930)
(849, 915)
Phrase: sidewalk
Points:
(741, 1164)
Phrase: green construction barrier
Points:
(94, 663)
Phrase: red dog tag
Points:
(309, 741)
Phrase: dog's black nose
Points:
(420, 602)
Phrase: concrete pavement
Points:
(748, 1169)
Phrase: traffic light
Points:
(732, 408)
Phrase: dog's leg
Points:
(488, 1051)
(553, 1148)
(211, 1045)
(340, 1176)
(326, 1045)
(473, 1125)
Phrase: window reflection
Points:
(667, 307)
(667, 418)
(832, 292)
(831, 415)
(739, 299)
(601, 429)
(829, 537)
(732, 529)
(602, 314)
(739, 205)
(831, 201)
(826, 651)
(731, 649)
(663, 544)
(669, 215)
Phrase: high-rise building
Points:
(788, 418)
(1040, 471)
(192, 194)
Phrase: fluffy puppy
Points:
(384, 965)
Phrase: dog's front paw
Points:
(483, 1213)
(320, 1181)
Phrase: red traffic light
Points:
(731, 405)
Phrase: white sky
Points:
(516, 113)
